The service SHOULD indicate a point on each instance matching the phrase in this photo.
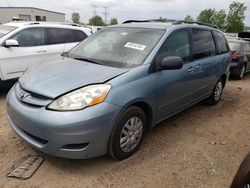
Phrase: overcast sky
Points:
(129, 9)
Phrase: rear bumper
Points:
(79, 135)
(235, 68)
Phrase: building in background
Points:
(29, 14)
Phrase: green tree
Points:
(75, 17)
(219, 19)
(160, 19)
(189, 18)
(235, 18)
(96, 21)
(113, 21)
(206, 16)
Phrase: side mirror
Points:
(11, 43)
(171, 63)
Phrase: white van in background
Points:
(24, 44)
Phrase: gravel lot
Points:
(200, 147)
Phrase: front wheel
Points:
(128, 133)
(217, 92)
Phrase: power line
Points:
(105, 13)
(94, 7)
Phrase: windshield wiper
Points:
(89, 60)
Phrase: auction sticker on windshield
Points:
(135, 46)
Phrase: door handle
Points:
(199, 67)
(191, 69)
(41, 51)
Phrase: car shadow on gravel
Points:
(4, 90)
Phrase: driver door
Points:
(32, 50)
(175, 88)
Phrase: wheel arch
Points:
(224, 78)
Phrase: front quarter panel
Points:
(137, 85)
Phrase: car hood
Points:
(54, 78)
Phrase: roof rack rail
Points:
(174, 22)
(198, 23)
(150, 20)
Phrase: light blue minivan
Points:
(103, 95)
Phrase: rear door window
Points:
(30, 37)
(204, 45)
(79, 35)
(59, 36)
(221, 42)
(177, 44)
(247, 47)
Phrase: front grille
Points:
(31, 98)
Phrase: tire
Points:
(121, 146)
(217, 92)
(242, 72)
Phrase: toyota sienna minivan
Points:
(103, 95)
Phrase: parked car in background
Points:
(240, 54)
(104, 94)
(94, 28)
(25, 44)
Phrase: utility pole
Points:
(94, 7)
(105, 14)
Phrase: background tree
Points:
(235, 18)
(113, 21)
(75, 17)
(206, 16)
(96, 21)
(189, 18)
(219, 19)
(160, 19)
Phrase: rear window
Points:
(204, 45)
(247, 47)
(58, 36)
(221, 42)
(79, 35)
(234, 46)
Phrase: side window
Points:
(30, 37)
(177, 44)
(59, 36)
(221, 42)
(204, 45)
(247, 47)
(79, 35)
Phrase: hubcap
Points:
(218, 91)
(131, 134)
(242, 71)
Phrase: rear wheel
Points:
(217, 92)
(242, 72)
(128, 133)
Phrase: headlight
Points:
(81, 98)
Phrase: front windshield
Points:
(234, 46)
(4, 30)
(118, 47)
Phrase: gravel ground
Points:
(200, 147)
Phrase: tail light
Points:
(235, 56)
